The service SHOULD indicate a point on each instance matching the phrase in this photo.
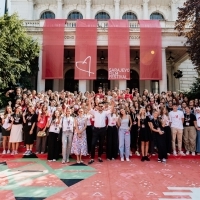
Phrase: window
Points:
(157, 16)
(75, 15)
(47, 15)
(102, 16)
(129, 16)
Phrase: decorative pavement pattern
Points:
(37, 179)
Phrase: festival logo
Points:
(85, 66)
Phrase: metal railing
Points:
(101, 24)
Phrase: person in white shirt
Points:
(112, 146)
(99, 129)
(198, 130)
(176, 119)
(6, 127)
(67, 135)
(52, 107)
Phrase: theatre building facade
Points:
(109, 43)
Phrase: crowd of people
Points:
(119, 122)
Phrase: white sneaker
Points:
(26, 152)
(16, 152)
(168, 154)
(193, 154)
(13, 153)
(54, 160)
(63, 161)
(4, 152)
(137, 153)
(130, 153)
(181, 153)
(164, 160)
(174, 153)
(67, 160)
(8, 152)
(187, 153)
(122, 159)
(127, 159)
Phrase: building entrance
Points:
(70, 84)
(134, 80)
(102, 80)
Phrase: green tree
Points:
(189, 16)
(18, 52)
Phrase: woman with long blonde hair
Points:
(144, 133)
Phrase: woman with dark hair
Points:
(165, 116)
(54, 124)
(41, 126)
(112, 146)
(16, 130)
(134, 131)
(6, 127)
(29, 119)
(158, 128)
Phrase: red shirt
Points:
(43, 121)
(128, 96)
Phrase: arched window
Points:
(129, 16)
(47, 15)
(75, 15)
(157, 16)
(102, 16)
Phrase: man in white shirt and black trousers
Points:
(99, 131)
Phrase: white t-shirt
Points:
(68, 124)
(88, 117)
(112, 120)
(55, 128)
(6, 123)
(198, 119)
(176, 119)
(99, 118)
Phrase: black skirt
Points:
(5, 132)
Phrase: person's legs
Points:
(109, 143)
(94, 142)
(127, 145)
(102, 134)
(186, 138)
(64, 146)
(142, 148)
(89, 138)
(17, 146)
(198, 142)
(179, 139)
(121, 142)
(69, 144)
(146, 146)
(174, 133)
(192, 139)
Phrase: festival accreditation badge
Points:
(187, 123)
(29, 123)
(134, 122)
(143, 126)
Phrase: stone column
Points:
(163, 82)
(146, 9)
(174, 10)
(59, 9)
(82, 86)
(87, 9)
(117, 3)
(40, 81)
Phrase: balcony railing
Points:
(101, 24)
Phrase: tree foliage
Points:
(18, 51)
(194, 91)
(189, 16)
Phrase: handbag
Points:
(41, 134)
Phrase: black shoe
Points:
(143, 159)
(100, 160)
(147, 158)
(91, 161)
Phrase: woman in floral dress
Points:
(79, 143)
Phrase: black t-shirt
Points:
(189, 120)
(30, 119)
(156, 124)
(134, 118)
(18, 119)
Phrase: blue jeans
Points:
(66, 144)
(124, 142)
(198, 142)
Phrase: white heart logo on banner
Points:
(86, 62)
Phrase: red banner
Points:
(53, 49)
(150, 50)
(86, 49)
(118, 50)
